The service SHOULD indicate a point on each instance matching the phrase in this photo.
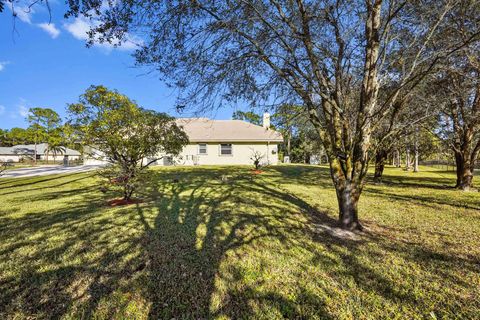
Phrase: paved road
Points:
(44, 170)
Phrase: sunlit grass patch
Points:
(219, 242)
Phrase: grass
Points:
(248, 247)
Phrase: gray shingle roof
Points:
(207, 130)
(6, 151)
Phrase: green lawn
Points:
(248, 247)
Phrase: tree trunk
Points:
(347, 196)
(415, 161)
(127, 192)
(289, 139)
(415, 150)
(407, 160)
(35, 155)
(464, 172)
(380, 159)
(348, 192)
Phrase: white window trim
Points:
(220, 150)
(206, 149)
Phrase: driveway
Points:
(45, 170)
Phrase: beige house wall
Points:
(9, 158)
(241, 154)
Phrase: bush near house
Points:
(262, 247)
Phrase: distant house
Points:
(8, 155)
(218, 142)
(27, 151)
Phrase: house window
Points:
(202, 148)
(225, 149)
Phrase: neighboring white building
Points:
(220, 142)
(7, 154)
(27, 151)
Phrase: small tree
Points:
(3, 167)
(125, 134)
(56, 149)
(257, 157)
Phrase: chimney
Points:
(266, 120)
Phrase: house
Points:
(20, 152)
(219, 142)
(7, 154)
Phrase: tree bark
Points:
(347, 196)
(415, 160)
(407, 160)
(35, 154)
(399, 159)
(415, 150)
(289, 138)
(380, 159)
(464, 172)
(348, 189)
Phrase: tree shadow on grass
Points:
(195, 229)
(14, 190)
(75, 260)
(8, 183)
(433, 179)
(423, 200)
(186, 252)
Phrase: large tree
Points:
(129, 137)
(330, 56)
(402, 124)
(458, 93)
(460, 121)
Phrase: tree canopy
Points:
(128, 136)
(349, 63)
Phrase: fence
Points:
(440, 164)
(446, 165)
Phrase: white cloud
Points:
(80, 26)
(2, 109)
(25, 13)
(3, 64)
(50, 29)
(22, 12)
(22, 108)
(23, 111)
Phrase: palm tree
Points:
(56, 149)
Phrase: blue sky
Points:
(48, 65)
